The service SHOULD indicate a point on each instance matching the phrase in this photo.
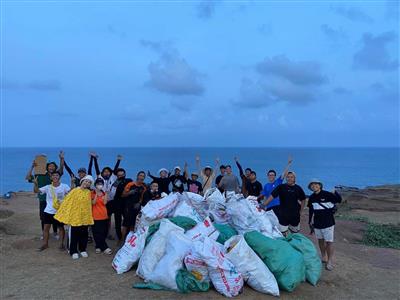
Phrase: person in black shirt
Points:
(163, 181)
(253, 186)
(222, 169)
(321, 206)
(178, 180)
(292, 198)
(151, 194)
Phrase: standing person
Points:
(55, 193)
(119, 201)
(151, 194)
(229, 183)
(133, 194)
(82, 172)
(272, 183)
(253, 186)
(178, 180)
(163, 181)
(219, 177)
(207, 174)
(245, 176)
(41, 180)
(193, 185)
(100, 217)
(109, 177)
(292, 200)
(321, 206)
(76, 211)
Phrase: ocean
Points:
(357, 167)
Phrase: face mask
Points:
(99, 186)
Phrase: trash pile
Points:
(187, 242)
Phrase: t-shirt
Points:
(321, 206)
(99, 209)
(178, 182)
(218, 179)
(253, 188)
(60, 191)
(163, 183)
(135, 197)
(194, 186)
(289, 195)
(149, 195)
(119, 186)
(230, 183)
(42, 180)
(268, 188)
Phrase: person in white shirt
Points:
(55, 193)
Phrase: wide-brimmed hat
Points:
(87, 177)
(208, 167)
(162, 170)
(314, 180)
(195, 173)
(177, 168)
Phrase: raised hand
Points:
(119, 157)
(236, 158)
(290, 159)
(197, 158)
(61, 155)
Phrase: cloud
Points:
(38, 85)
(206, 9)
(352, 13)
(301, 73)
(172, 74)
(335, 35)
(373, 55)
(342, 91)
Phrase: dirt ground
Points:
(361, 272)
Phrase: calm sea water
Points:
(358, 167)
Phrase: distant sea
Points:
(358, 167)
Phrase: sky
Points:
(200, 73)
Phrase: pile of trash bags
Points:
(187, 242)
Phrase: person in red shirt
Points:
(133, 194)
(100, 217)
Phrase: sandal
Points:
(329, 267)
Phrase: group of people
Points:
(91, 202)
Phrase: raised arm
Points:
(70, 172)
(90, 165)
(185, 171)
(198, 164)
(61, 167)
(119, 158)
(151, 176)
(29, 176)
(239, 167)
(217, 163)
(286, 170)
(96, 164)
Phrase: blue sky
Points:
(200, 73)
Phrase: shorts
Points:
(291, 223)
(325, 233)
(49, 219)
(130, 213)
(275, 209)
(42, 206)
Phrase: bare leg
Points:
(124, 231)
(322, 247)
(329, 250)
(45, 237)
(62, 236)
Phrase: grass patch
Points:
(382, 235)
(352, 218)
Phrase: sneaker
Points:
(56, 237)
(98, 250)
(84, 254)
(108, 251)
(75, 256)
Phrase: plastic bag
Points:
(286, 263)
(198, 202)
(310, 255)
(255, 273)
(158, 209)
(201, 230)
(187, 282)
(131, 251)
(225, 232)
(187, 210)
(196, 265)
(164, 273)
(242, 217)
(223, 274)
(156, 248)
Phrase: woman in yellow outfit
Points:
(76, 210)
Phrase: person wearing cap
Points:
(193, 185)
(100, 217)
(321, 206)
(55, 193)
(163, 181)
(272, 183)
(207, 174)
(41, 180)
(76, 211)
(292, 201)
(178, 180)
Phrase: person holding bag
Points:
(76, 211)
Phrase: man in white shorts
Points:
(321, 217)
